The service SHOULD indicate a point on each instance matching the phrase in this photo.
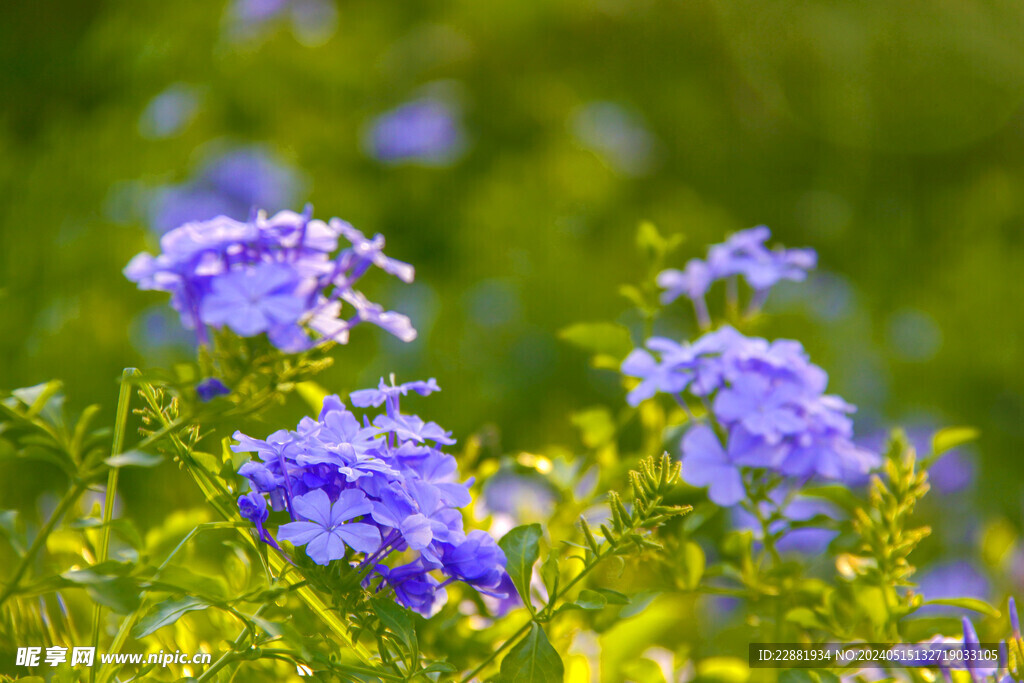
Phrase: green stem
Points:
(548, 609)
(214, 493)
(501, 648)
(124, 400)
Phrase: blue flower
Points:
(743, 254)
(392, 475)
(705, 463)
(253, 300)
(253, 507)
(766, 399)
(326, 533)
(210, 388)
(275, 275)
(414, 587)
(692, 283)
(477, 560)
(365, 398)
(976, 668)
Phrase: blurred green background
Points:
(888, 136)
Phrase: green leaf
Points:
(396, 619)
(589, 599)
(549, 572)
(439, 667)
(614, 597)
(966, 603)
(833, 493)
(521, 547)
(692, 563)
(598, 337)
(638, 603)
(119, 594)
(532, 660)
(167, 612)
(949, 438)
(134, 459)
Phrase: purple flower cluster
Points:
(743, 254)
(767, 401)
(277, 275)
(366, 492)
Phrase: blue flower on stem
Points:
(253, 300)
(325, 533)
(210, 388)
(383, 488)
(744, 255)
(275, 275)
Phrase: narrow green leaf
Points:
(549, 572)
(134, 459)
(638, 603)
(692, 563)
(949, 438)
(966, 603)
(532, 660)
(833, 493)
(614, 597)
(166, 613)
(589, 599)
(521, 547)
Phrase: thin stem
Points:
(548, 609)
(124, 399)
(69, 499)
(501, 648)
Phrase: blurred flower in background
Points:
(616, 134)
(170, 112)
(957, 579)
(312, 22)
(230, 184)
(426, 131)
(511, 498)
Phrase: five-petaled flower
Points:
(325, 532)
